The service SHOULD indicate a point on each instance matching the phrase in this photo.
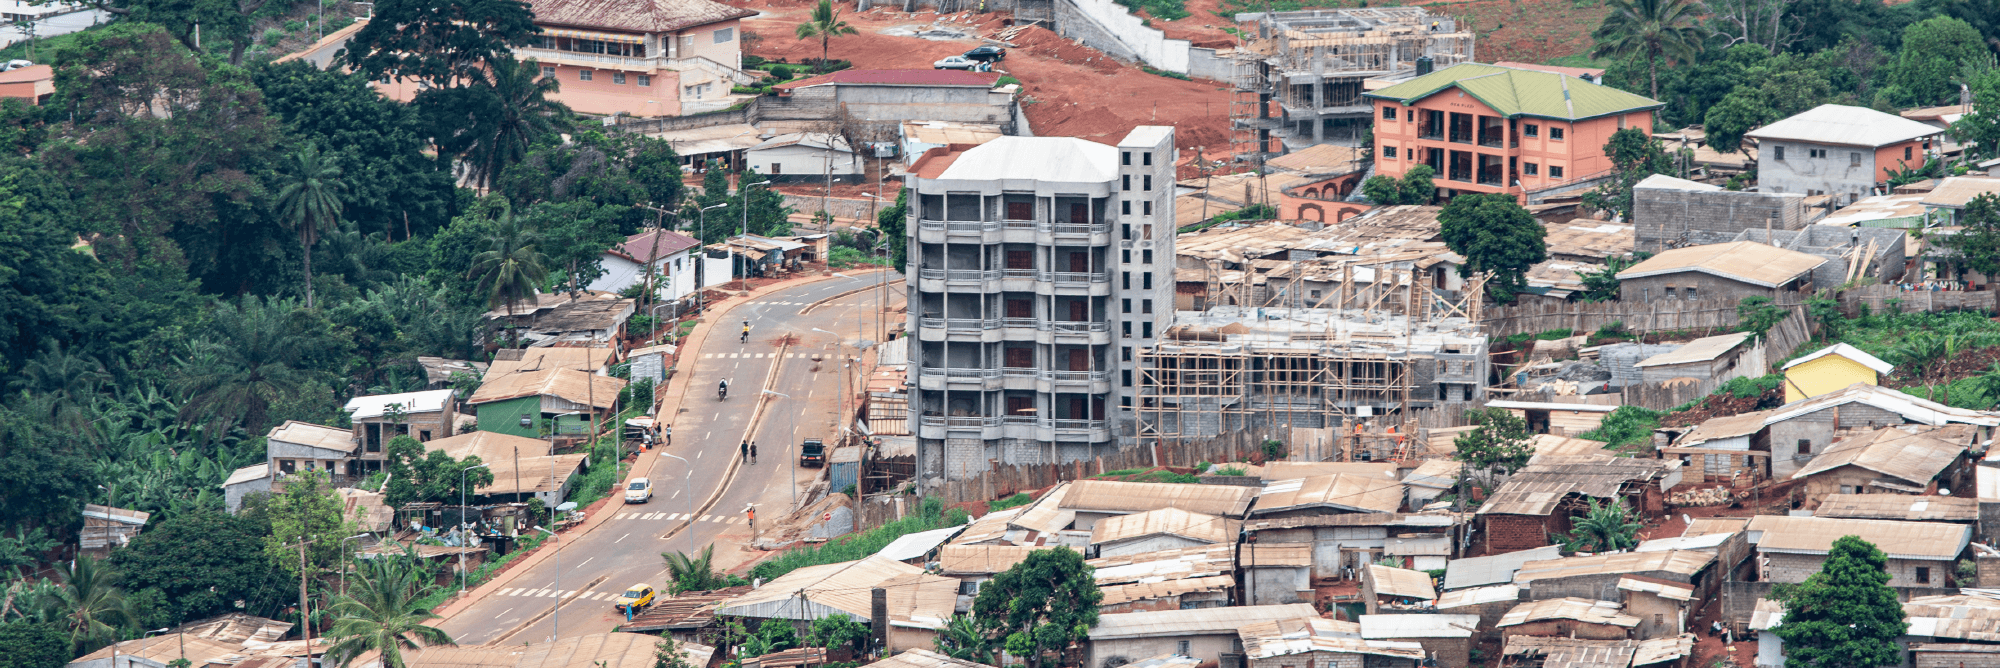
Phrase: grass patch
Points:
(1551, 335)
(45, 47)
(1160, 9)
(1164, 73)
(1017, 500)
(930, 515)
(1627, 426)
(842, 257)
(1581, 60)
(1142, 475)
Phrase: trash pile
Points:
(1706, 496)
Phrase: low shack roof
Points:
(1401, 582)
(1283, 637)
(313, 436)
(1916, 453)
(1198, 621)
(1578, 609)
(1348, 492)
(1135, 497)
(1898, 507)
(1197, 527)
(1679, 562)
(1931, 541)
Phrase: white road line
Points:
(623, 516)
(697, 453)
(704, 518)
(502, 612)
(585, 561)
(507, 592)
(621, 538)
(677, 492)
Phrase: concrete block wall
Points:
(1832, 242)
(1663, 216)
(1509, 533)
(1986, 659)
(1109, 27)
(1205, 64)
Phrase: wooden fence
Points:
(1878, 299)
(1007, 479)
(1666, 314)
(1755, 360)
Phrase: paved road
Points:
(626, 549)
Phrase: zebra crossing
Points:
(531, 592)
(678, 517)
(759, 356)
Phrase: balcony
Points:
(959, 324)
(1074, 327)
(1080, 277)
(1017, 323)
(1018, 372)
(1077, 376)
(1075, 229)
(1017, 224)
(595, 60)
(958, 421)
(955, 373)
(1019, 274)
(1076, 425)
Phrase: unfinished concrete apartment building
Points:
(1315, 64)
(1039, 266)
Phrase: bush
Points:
(1017, 500)
(1006, 80)
(1231, 471)
(930, 515)
(273, 36)
(1272, 449)
(1625, 426)
(1751, 388)
(295, 25)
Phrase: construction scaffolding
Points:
(1359, 360)
(1316, 64)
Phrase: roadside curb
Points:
(676, 394)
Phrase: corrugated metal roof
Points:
(1916, 453)
(911, 546)
(537, 359)
(1699, 350)
(361, 408)
(1900, 540)
(653, 244)
(1167, 623)
(1340, 491)
(1426, 520)
(570, 385)
(1663, 649)
(1683, 562)
(1164, 573)
(1573, 652)
(1516, 93)
(1134, 497)
(1675, 591)
(1401, 582)
(841, 587)
(1898, 507)
(1664, 182)
(1956, 191)
(1395, 627)
(923, 658)
(313, 436)
(1478, 595)
(989, 526)
(1438, 546)
(1579, 609)
(646, 16)
(1914, 409)
(1845, 125)
(1295, 470)
(1701, 542)
(1540, 487)
(1850, 352)
(1275, 554)
(1495, 569)
(1732, 426)
(1746, 261)
(1051, 159)
(1286, 637)
(1768, 614)
(1164, 521)
(984, 559)
(248, 473)
(1963, 616)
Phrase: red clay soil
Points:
(1070, 90)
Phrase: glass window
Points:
(618, 78)
(1146, 158)
(1127, 158)
(548, 71)
(1556, 134)
(1388, 113)
(1531, 169)
(724, 35)
(1148, 181)
(1854, 159)
(1147, 255)
(1125, 182)
(1145, 306)
(1128, 306)
(1125, 207)
(1778, 152)
(1532, 130)
(645, 79)
(583, 75)
(1148, 206)
(1555, 171)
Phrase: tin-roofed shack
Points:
(1342, 544)
(1921, 554)
(1906, 459)
(1802, 429)
(1317, 641)
(1568, 618)
(1597, 577)
(1388, 589)
(1206, 634)
(1538, 501)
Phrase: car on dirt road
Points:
(635, 598)
(812, 453)
(988, 53)
(640, 491)
(955, 63)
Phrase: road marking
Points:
(502, 612)
(621, 538)
(697, 453)
(585, 561)
(677, 494)
(704, 518)
(507, 592)
(623, 516)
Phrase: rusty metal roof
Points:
(1898, 507)
(1572, 652)
(1899, 540)
(645, 16)
(1915, 453)
(1579, 609)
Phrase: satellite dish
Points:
(566, 506)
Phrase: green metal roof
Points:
(1515, 92)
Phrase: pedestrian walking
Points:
(753, 452)
(667, 434)
(745, 450)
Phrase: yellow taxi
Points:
(637, 597)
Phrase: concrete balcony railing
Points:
(1066, 229)
(1080, 277)
(1075, 425)
(955, 373)
(1018, 224)
(1018, 274)
(1023, 420)
(958, 421)
(1077, 376)
(1070, 327)
(1017, 323)
(1017, 372)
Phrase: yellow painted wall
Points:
(1825, 375)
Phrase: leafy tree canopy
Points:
(1501, 441)
(1978, 242)
(1040, 605)
(1496, 236)
(1414, 188)
(203, 562)
(26, 643)
(1846, 614)
(444, 42)
(417, 474)
(1927, 67)
(307, 510)
(1635, 154)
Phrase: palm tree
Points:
(1654, 29)
(825, 24)
(310, 203)
(235, 383)
(1603, 528)
(527, 110)
(511, 270)
(90, 604)
(380, 614)
(695, 573)
(962, 639)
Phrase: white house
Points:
(805, 156)
(671, 254)
(1843, 152)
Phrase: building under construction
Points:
(1315, 64)
(1380, 350)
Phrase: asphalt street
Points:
(595, 567)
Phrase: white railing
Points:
(971, 275)
(958, 421)
(1076, 425)
(1067, 327)
(970, 374)
(1024, 323)
(736, 76)
(972, 226)
(1082, 277)
(1017, 372)
(1077, 376)
(1029, 274)
(1075, 229)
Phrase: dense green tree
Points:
(893, 222)
(1845, 615)
(625, 169)
(511, 270)
(1497, 237)
(308, 510)
(26, 643)
(453, 249)
(1635, 154)
(394, 186)
(574, 236)
(383, 614)
(1501, 440)
(202, 563)
(1740, 112)
(696, 572)
(525, 112)
(1414, 188)
(775, 635)
(1601, 284)
(447, 43)
(1979, 131)
(836, 631)
(417, 474)
(825, 24)
(310, 201)
(1977, 241)
(1654, 29)
(1603, 528)
(1927, 67)
(1040, 605)
(235, 378)
(961, 638)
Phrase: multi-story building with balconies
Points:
(1041, 266)
(642, 58)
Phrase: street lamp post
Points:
(686, 480)
(792, 447)
(744, 190)
(348, 557)
(555, 610)
(464, 527)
